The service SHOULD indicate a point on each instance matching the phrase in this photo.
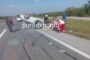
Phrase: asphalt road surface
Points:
(27, 44)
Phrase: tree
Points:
(83, 11)
(86, 6)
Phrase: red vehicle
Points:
(58, 25)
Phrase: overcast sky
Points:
(14, 7)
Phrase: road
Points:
(27, 44)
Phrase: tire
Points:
(39, 24)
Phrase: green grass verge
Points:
(79, 28)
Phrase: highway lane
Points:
(46, 47)
(29, 44)
(11, 47)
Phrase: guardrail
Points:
(73, 17)
(79, 18)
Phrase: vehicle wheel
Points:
(39, 24)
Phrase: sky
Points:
(14, 7)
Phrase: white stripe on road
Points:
(3, 33)
(72, 48)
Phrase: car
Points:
(31, 20)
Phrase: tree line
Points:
(82, 11)
(71, 11)
(51, 14)
(3, 17)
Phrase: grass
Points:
(79, 28)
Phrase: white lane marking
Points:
(70, 47)
(62, 51)
(3, 33)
